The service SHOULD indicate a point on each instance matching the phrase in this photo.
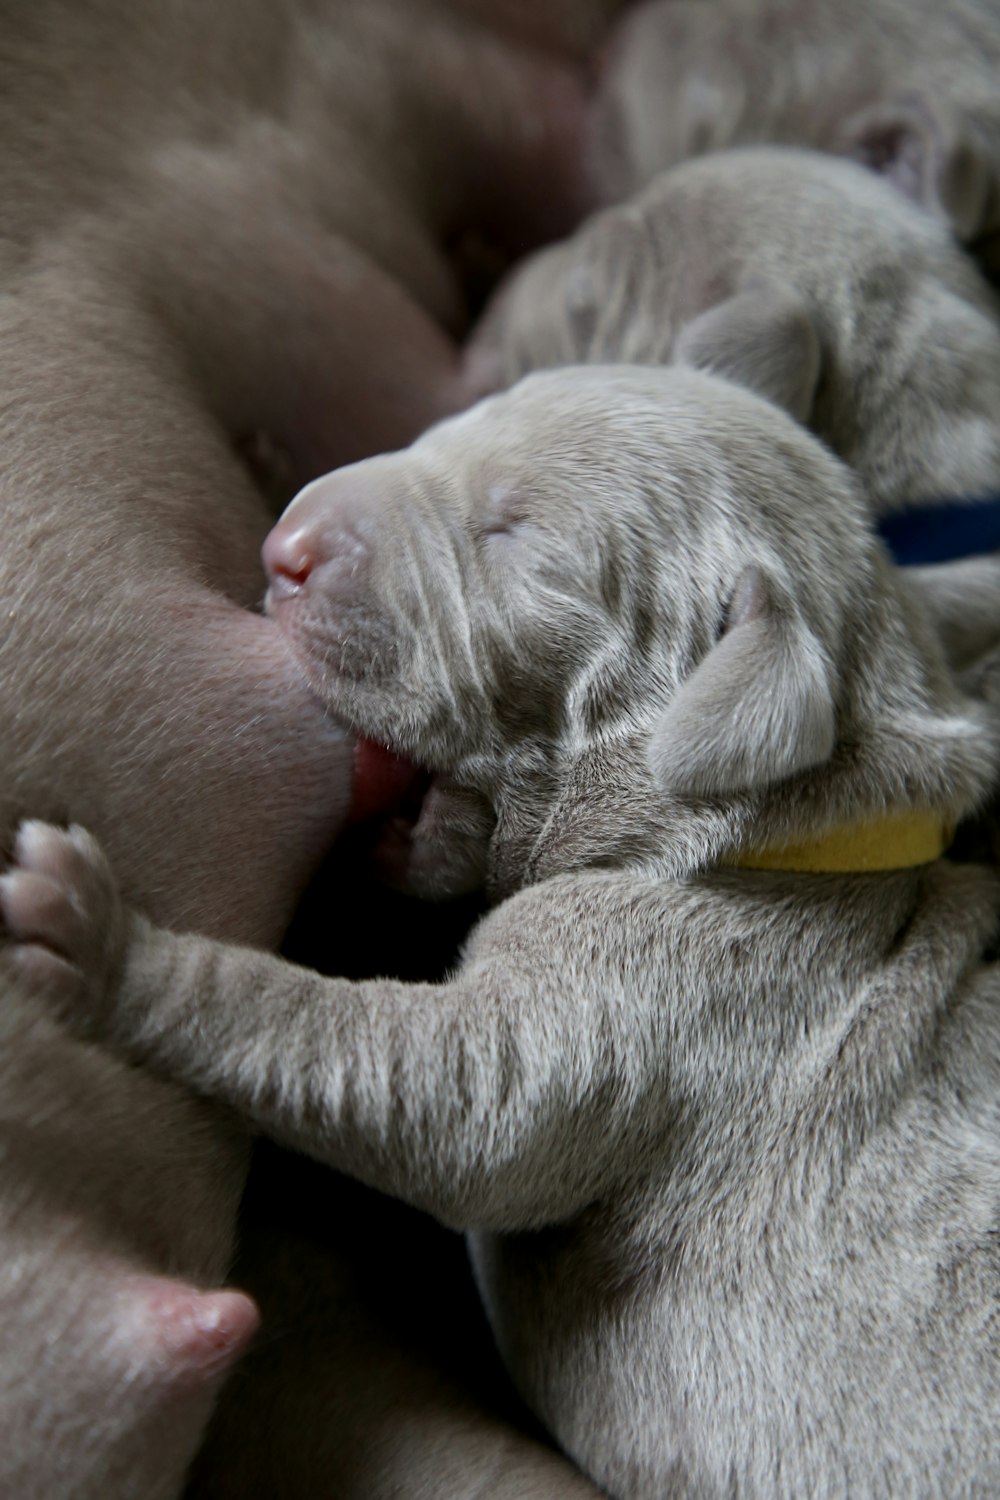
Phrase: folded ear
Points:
(762, 338)
(758, 708)
(929, 155)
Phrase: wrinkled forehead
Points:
(555, 446)
(556, 423)
(618, 433)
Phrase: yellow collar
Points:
(897, 841)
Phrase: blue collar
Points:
(943, 530)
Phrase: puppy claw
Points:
(44, 973)
(60, 906)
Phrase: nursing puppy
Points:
(725, 1138)
(801, 276)
(909, 87)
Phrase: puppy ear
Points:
(929, 156)
(762, 338)
(758, 708)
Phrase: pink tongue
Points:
(381, 780)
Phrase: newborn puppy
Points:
(117, 1202)
(714, 1089)
(801, 276)
(909, 87)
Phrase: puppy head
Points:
(645, 569)
(800, 276)
(751, 263)
(907, 88)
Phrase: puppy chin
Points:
(442, 852)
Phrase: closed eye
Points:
(505, 512)
(505, 526)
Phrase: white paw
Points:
(60, 906)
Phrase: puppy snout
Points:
(290, 554)
(324, 541)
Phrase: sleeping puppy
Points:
(909, 87)
(714, 1089)
(801, 276)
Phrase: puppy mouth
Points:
(385, 785)
(400, 805)
(389, 796)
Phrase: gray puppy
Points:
(909, 87)
(801, 276)
(714, 1090)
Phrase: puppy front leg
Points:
(492, 1101)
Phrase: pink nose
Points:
(328, 529)
(290, 555)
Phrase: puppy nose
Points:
(290, 554)
(326, 538)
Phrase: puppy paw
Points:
(60, 906)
